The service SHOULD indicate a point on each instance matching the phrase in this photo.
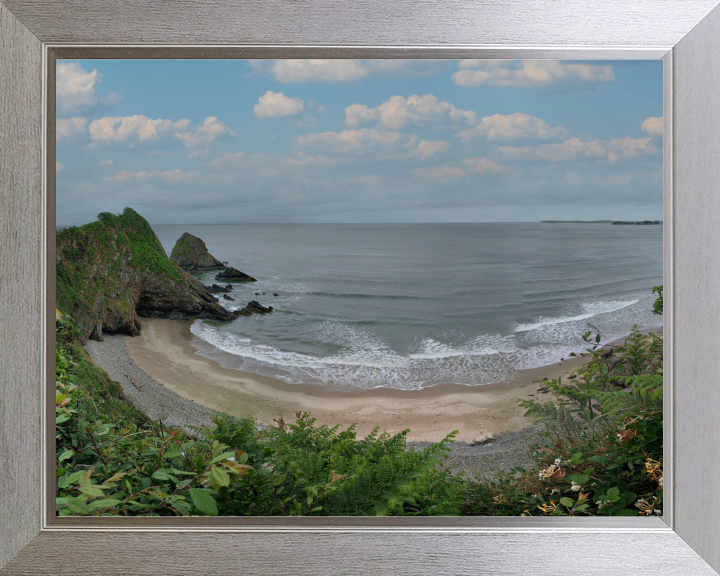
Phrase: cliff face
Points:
(114, 271)
(190, 251)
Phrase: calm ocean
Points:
(415, 305)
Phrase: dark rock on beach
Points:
(254, 307)
(216, 289)
(191, 252)
(234, 275)
(228, 297)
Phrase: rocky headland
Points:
(112, 272)
(191, 253)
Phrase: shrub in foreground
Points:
(114, 462)
(603, 442)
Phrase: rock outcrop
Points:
(233, 275)
(254, 307)
(191, 253)
(112, 272)
(215, 289)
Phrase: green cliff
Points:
(114, 271)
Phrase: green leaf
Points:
(62, 418)
(176, 471)
(567, 502)
(105, 503)
(219, 476)
(613, 493)
(173, 453)
(223, 456)
(65, 455)
(115, 477)
(92, 490)
(204, 501)
(579, 479)
(163, 475)
(77, 506)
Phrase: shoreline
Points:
(163, 351)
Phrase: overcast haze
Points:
(204, 141)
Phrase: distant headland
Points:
(614, 222)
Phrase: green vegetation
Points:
(658, 306)
(603, 449)
(98, 263)
(112, 461)
(602, 453)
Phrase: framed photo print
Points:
(437, 283)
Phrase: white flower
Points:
(575, 487)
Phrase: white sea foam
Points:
(591, 310)
(364, 361)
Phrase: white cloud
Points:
(211, 129)
(59, 167)
(443, 172)
(277, 105)
(426, 149)
(344, 70)
(67, 129)
(613, 150)
(483, 166)
(359, 141)
(192, 154)
(108, 162)
(115, 129)
(229, 158)
(169, 176)
(311, 161)
(75, 88)
(653, 126)
(399, 112)
(512, 127)
(530, 73)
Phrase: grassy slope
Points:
(93, 259)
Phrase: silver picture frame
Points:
(685, 34)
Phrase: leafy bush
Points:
(658, 305)
(114, 462)
(603, 442)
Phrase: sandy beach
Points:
(164, 351)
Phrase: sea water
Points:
(415, 305)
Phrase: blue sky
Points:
(225, 141)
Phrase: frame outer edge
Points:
(696, 173)
(169, 554)
(370, 22)
(21, 70)
(21, 283)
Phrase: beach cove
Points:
(166, 351)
